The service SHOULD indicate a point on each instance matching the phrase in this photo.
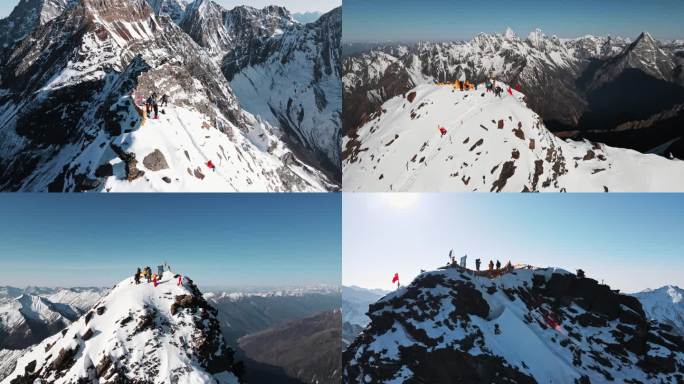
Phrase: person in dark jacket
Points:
(477, 264)
(137, 276)
(498, 265)
(491, 266)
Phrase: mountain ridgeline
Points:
(73, 83)
(525, 325)
(616, 91)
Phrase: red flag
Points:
(395, 278)
(510, 91)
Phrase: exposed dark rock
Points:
(155, 161)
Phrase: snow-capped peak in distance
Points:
(509, 34)
(235, 294)
(665, 305)
(134, 330)
(27, 15)
(574, 330)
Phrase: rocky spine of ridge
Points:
(520, 326)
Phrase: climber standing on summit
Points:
(442, 130)
(148, 274)
(491, 266)
(477, 265)
(155, 105)
(137, 276)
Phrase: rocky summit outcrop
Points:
(524, 326)
(137, 333)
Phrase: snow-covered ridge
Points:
(136, 329)
(491, 144)
(452, 325)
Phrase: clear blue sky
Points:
(440, 20)
(632, 241)
(228, 240)
(295, 6)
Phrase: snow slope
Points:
(492, 144)
(164, 334)
(524, 326)
(665, 304)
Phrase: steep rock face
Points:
(524, 326)
(172, 328)
(89, 70)
(665, 305)
(293, 80)
(28, 15)
(175, 9)
(221, 30)
(491, 144)
(585, 85)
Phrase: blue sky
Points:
(295, 6)
(409, 20)
(222, 240)
(632, 241)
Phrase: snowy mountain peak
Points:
(675, 293)
(536, 37)
(665, 305)
(452, 325)
(27, 15)
(136, 329)
(509, 34)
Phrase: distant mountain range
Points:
(618, 91)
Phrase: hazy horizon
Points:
(629, 241)
(444, 20)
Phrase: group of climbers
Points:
(493, 271)
(152, 104)
(146, 273)
(464, 85)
